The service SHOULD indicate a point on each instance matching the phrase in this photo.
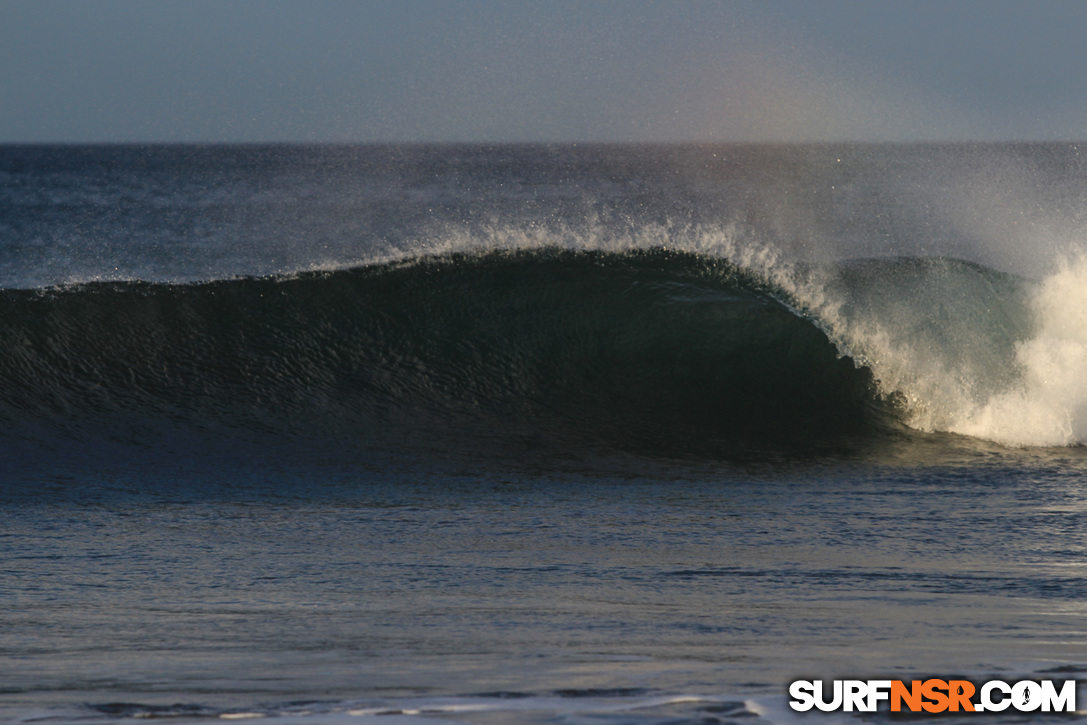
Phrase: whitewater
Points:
(535, 433)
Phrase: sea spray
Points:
(938, 334)
(948, 345)
(1048, 405)
(947, 341)
(959, 347)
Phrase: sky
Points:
(557, 71)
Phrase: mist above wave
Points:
(953, 345)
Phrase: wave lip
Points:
(649, 351)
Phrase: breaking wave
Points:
(652, 351)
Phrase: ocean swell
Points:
(647, 351)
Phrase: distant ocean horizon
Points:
(588, 433)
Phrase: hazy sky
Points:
(467, 70)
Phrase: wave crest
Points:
(652, 351)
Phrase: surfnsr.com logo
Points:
(933, 696)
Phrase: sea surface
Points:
(592, 434)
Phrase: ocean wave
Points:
(642, 350)
(650, 350)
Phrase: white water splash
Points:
(1049, 406)
(1035, 397)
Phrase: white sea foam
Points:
(1049, 405)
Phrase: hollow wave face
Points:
(962, 348)
(952, 346)
(722, 349)
(938, 334)
(650, 351)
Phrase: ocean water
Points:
(536, 434)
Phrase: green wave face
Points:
(653, 352)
